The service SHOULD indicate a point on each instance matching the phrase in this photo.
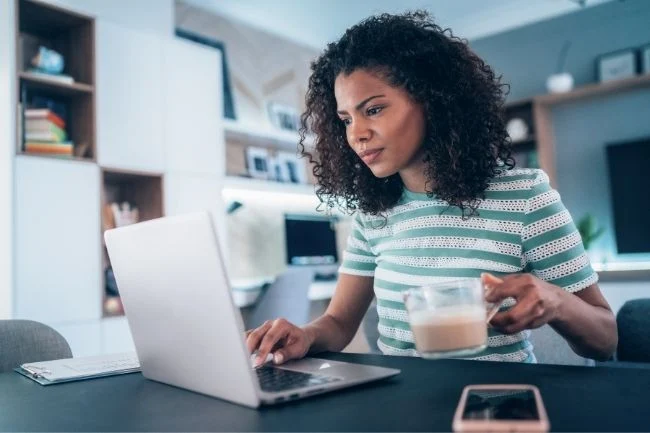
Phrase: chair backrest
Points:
(24, 341)
(550, 348)
(633, 320)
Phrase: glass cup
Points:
(449, 319)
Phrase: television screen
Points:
(629, 177)
(311, 240)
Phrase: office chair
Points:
(29, 341)
(633, 321)
(550, 348)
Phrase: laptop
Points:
(187, 330)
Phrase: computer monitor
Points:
(310, 240)
(629, 180)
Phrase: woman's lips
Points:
(369, 156)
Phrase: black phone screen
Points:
(500, 404)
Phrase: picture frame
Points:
(644, 52)
(292, 168)
(616, 65)
(283, 116)
(228, 100)
(257, 162)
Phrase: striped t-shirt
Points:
(522, 226)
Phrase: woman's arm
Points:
(334, 330)
(330, 332)
(584, 319)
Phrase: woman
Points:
(409, 134)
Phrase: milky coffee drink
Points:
(449, 329)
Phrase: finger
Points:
(517, 318)
(490, 280)
(255, 336)
(294, 349)
(278, 331)
(515, 286)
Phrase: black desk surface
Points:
(423, 397)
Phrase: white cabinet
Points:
(57, 240)
(116, 335)
(185, 193)
(193, 108)
(84, 338)
(129, 98)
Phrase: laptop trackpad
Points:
(321, 366)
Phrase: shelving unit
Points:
(256, 185)
(140, 190)
(240, 136)
(263, 136)
(536, 112)
(71, 35)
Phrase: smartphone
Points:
(491, 408)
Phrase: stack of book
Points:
(45, 133)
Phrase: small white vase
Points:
(559, 83)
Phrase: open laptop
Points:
(187, 330)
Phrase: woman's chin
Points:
(382, 172)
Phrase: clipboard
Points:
(73, 369)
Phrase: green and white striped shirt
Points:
(522, 226)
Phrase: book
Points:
(50, 148)
(71, 369)
(44, 114)
(42, 125)
(54, 136)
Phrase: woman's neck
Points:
(414, 179)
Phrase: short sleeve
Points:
(358, 258)
(552, 246)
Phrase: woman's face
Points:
(384, 126)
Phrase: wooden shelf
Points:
(595, 90)
(55, 86)
(258, 185)
(263, 136)
(64, 158)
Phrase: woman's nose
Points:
(358, 134)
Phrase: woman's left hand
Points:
(537, 301)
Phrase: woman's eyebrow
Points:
(361, 104)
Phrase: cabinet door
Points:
(193, 108)
(116, 335)
(185, 193)
(84, 338)
(129, 98)
(57, 240)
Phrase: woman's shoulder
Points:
(517, 179)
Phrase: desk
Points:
(422, 398)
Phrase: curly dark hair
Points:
(465, 142)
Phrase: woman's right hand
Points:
(280, 338)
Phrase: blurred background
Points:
(114, 112)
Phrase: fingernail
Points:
(278, 358)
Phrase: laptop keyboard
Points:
(276, 379)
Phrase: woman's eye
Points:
(346, 122)
(374, 110)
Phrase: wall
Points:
(262, 68)
(526, 56)
(148, 15)
(7, 128)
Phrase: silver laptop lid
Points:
(182, 320)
